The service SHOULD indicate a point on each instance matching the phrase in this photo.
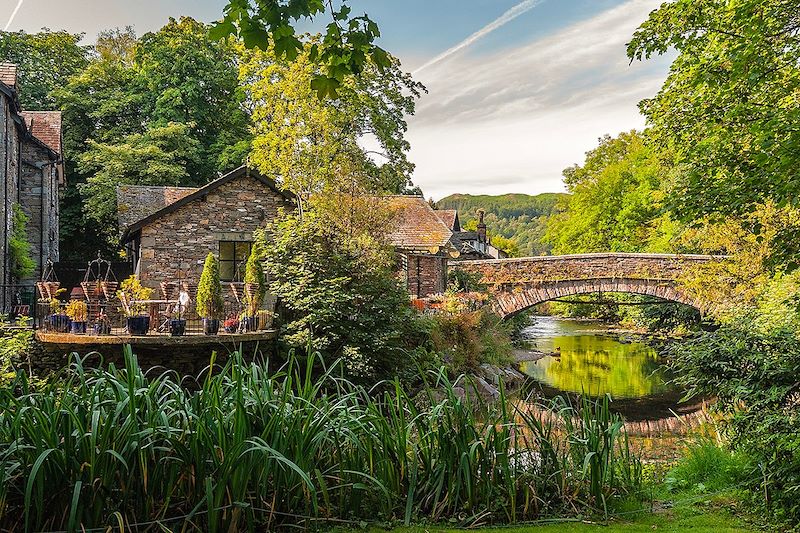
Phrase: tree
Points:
(346, 49)
(729, 105)
(45, 61)
(175, 82)
(309, 143)
(160, 156)
(616, 202)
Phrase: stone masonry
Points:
(181, 239)
(520, 283)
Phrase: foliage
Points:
(520, 218)
(751, 368)
(254, 280)
(308, 144)
(169, 99)
(19, 249)
(707, 466)
(347, 48)
(728, 106)
(45, 61)
(615, 202)
(131, 295)
(260, 449)
(209, 290)
(467, 340)
(158, 157)
(334, 278)
(14, 343)
(77, 310)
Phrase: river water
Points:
(589, 359)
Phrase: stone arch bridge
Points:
(520, 283)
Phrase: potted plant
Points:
(209, 296)
(177, 324)
(78, 312)
(132, 295)
(264, 319)
(231, 325)
(59, 321)
(102, 325)
(254, 289)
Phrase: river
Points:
(589, 359)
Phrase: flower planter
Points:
(78, 328)
(248, 324)
(59, 323)
(101, 329)
(231, 326)
(138, 325)
(210, 326)
(177, 327)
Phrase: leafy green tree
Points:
(160, 156)
(345, 50)
(309, 144)
(616, 202)
(729, 105)
(175, 89)
(45, 61)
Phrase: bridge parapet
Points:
(520, 283)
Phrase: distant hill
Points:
(521, 217)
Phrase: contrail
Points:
(502, 20)
(13, 14)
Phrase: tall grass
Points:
(253, 448)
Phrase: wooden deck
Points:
(153, 339)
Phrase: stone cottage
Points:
(168, 231)
(471, 245)
(422, 242)
(33, 175)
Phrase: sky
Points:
(518, 90)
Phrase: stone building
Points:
(168, 231)
(422, 242)
(33, 174)
(471, 245)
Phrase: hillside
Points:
(520, 217)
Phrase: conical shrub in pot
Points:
(209, 296)
(255, 288)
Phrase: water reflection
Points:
(593, 364)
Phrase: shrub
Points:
(77, 310)
(255, 283)
(209, 290)
(467, 340)
(131, 294)
(707, 466)
(22, 265)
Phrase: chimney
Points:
(481, 227)
(8, 74)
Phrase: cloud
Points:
(13, 15)
(502, 20)
(514, 119)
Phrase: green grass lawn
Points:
(717, 516)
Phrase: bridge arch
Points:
(520, 283)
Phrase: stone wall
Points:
(38, 197)
(182, 239)
(520, 283)
(187, 360)
(9, 171)
(425, 275)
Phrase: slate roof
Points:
(193, 194)
(416, 225)
(8, 74)
(135, 202)
(45, 126)
(449, 217)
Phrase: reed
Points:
(256, 448)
